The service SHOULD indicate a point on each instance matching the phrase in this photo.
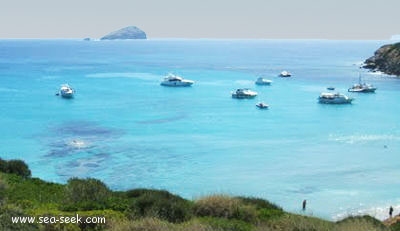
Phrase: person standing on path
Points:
(304, 205)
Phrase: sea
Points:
(125, 129)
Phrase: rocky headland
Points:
(386, 59)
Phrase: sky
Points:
(251, 19)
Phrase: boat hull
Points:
(263, 83)
(335, 101)
(262, 106)
(67, 95)
(235, 96)
(363, 90)
(177, 84)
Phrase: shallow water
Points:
(125, 129)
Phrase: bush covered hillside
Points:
(146, 209)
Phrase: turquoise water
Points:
(125, 129)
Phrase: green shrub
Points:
(17, 167)
(227, 225)
(146, 224)
(2, 191)
(118, 201)
(292, 222)
(397, 45)
(225, 207)
(159, 204)
(259, 203)
(363, 219)
(266, 214)
(203, 224)
(60, 227)
(32, 191)
(86, 194)
(216, 206)
(265, 209)
(3, 165)
(135, 193)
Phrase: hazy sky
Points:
(321, 19)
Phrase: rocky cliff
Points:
(386, 59)
(130, 32)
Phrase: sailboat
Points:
(362, 87)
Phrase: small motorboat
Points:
(176, 81)
(262, 105)
(334, 98)
(285, 74)
(244, 93)
(262, 81)
(330, 88)
(66, 91)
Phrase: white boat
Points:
(262, 105)
(66, 91)
(262, 81)
(334, 98)
(285, 74)
(362, 87)
(244, 93)
(176, 81)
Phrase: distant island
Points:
(386, 59)
(130, 32)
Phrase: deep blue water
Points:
(125, 129)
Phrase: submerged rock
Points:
(78, 136)
(386, 59)
(130, 32)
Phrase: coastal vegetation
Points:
(386, 59)
(148, 209)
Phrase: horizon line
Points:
(185, 38)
